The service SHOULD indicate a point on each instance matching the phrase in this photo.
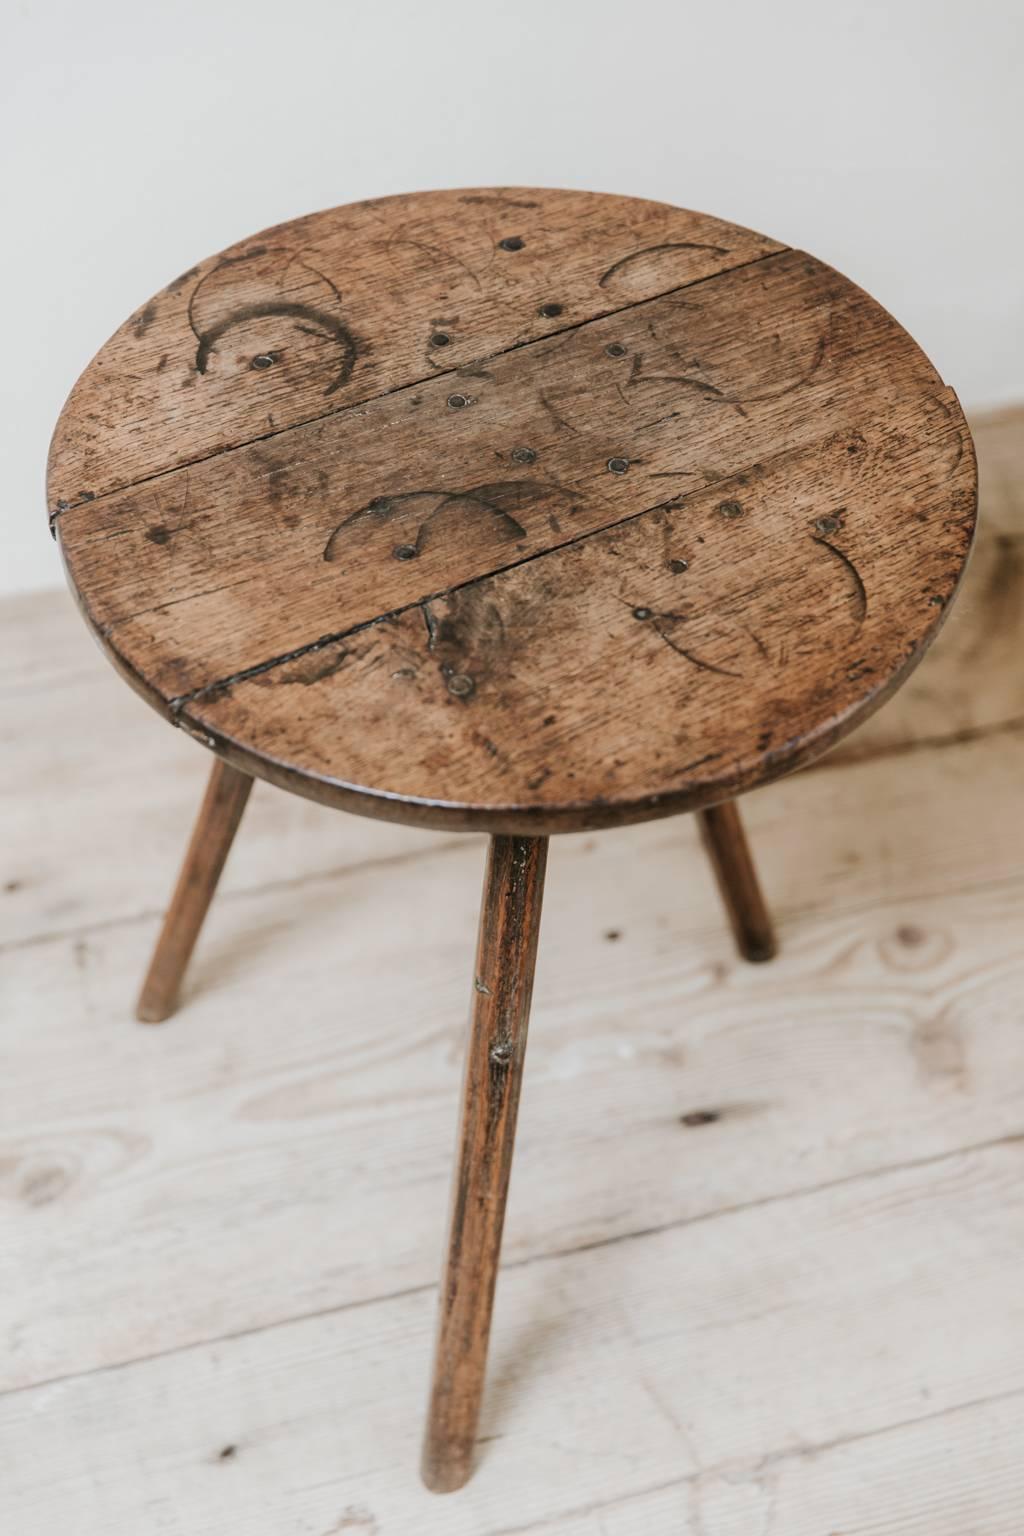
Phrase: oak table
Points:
(516, 511)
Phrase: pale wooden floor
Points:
(802, 1315)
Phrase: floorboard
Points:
(764, 1234)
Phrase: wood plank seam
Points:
(453, 371)
(702, 1218)
(258, 669)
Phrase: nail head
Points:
(618, 466)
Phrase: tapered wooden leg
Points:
(214, 832)
(726, 845)
(503, 983)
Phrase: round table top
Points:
(521, 510)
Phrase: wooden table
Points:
(517, 511)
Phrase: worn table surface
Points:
(521, 510)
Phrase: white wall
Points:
(887, 138)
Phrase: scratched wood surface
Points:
(483, 566)
(204, 1226)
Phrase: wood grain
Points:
(324, 312)
(969, 684)
(382, 608)
(650, 1384)
(230, 1168)
(256, 1172)
(726, 846)
(496, 1052)
(205, 857)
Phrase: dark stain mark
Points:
(314, 322)
(249, 255)
(162, 364)
(86, 495)
(227, 1453)
(860, 592)
(764, 741)
(512, 243)
(909, 936)
(549, 720)
(537, 779)
(696, 1117)
(502, 500)
(475, 371)
(730, 509)
(467, 639)
(159, 534)
(553, 523)
(12, 885)
(559, 421)
(613, 935)
(498, 202)
(650, 250)
(179, 282)
(144, 319)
